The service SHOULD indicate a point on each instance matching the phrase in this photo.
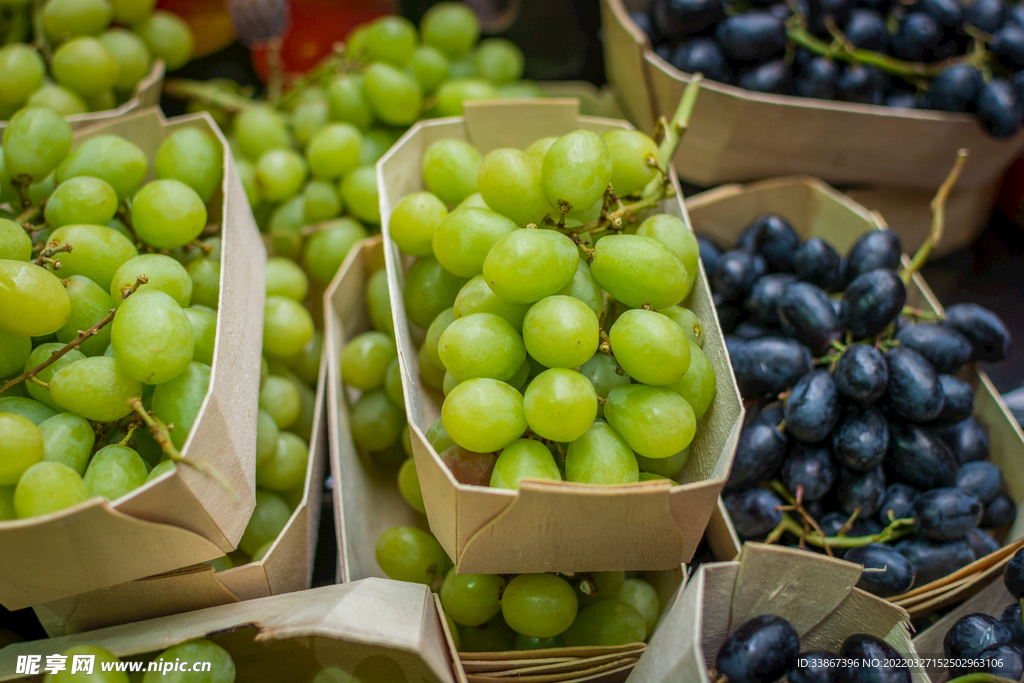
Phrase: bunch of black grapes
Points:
(855, 408)
(752, 49)
(766, 648)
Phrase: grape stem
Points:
(328, 66)
(210, 93)
(46, 256)
(26, 217)
(917, 314)
(898, 529)
(938, 218)
(796, 505)
(276, 65)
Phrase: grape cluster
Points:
(95, 51)
(873, 439)
(767, 647)
(222, 666)
(944, 55)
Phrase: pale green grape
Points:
(58, 98)
(285, 278)
(38, 356)
(28, 408)
(194, 157)
(409, 486)
(168, 214)
(96, 252)
(654, 421)
(266, 436)
(600, 456)
(519, 379)
(484, 415)
(334, 151)
(160, 469)
(309, 118)
(287, 327)
(413, 222)
(64, 19)
(14, 352)
(520, 90)
(429, 67)
(67, 439)
(539, 148)
(35, 141)
(471, 599)
(102, 656)
(393, 388)
(33, 300)
(86, 66)
(584, 287)
(406, 436)
(601, 586)
(376, 422)
(473, 201)
(268, 520)
(346, 97)
(560, 404)
(133, 58)
(449, 383)
(15, 244)
(178, 401)
(262, 551)
(540, 605)
(115, 471)
(21, 73)
(286, 468)
(163, 274)
(650, 347)
(222, 667)
(577, 169)
(431, 374)
(359, 192)
(321, 201)
(628, 149)
(21, 446)
(306, 365)
(378, 302)
(152, 337)
(390, 39)
(280, 173)
(7, 511)
(169, 38)
(641, 596)
(326, 249)
(409, 554)
(477, 297)
(509, 182)
(394, 95)
(687, 320)
(259, 129)
(81, 200)
(523, 459)
(205, 276)
(119, 162)
(494, 636)
(697, 385)
(365, 360)
(464, 238)
(451, 27)
(102, 101)
(500, 61)
(438, 436)
(450, 168)
(606, 623)
(280, 398)
(285, 226)
(429, 289)
(638, 270)
(48, 487)
(674, 234)
(481, 345)
(95, 388)
(560, 332)
(461, 88)
(131, 12)
(376, 142)
(667, 468)
(534, 643)
(528, 265)
(651, 476)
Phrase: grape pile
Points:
(95, 51)
(766, 648)
(944, 55)
(873, 440)
(109, 301)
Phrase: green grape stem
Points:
(918, 314)
(276, 66)
(980, 678)
(209, 93)
(46, 256)
(25, 218)
(328, 66)
(938, 218)
(898, 529)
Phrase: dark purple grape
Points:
(861, 439)
(897, 578)
(816, 261)
(763, 302)
(917, 36)
(872, 250)
(985, 330)
(933, 560)
(776, 240)
(817, 79)
(970, 635)
(981, 543)
(901, 99)
(981, 479)
(809, 468)
(771, 414)
(999, 512)
(753, 512)
(866, 30)
(949, 13)
(862, 84)
(941, 345)
(815, 667)
(749, 330)
(955, 89)
(921, 458)
(769, 77)
(967, 439)
(728, 316)
(880, 6)
(872, 301)
(812, 408)
(759, 452)
(914, 389)
(862, 526)
(988, 15)
(1008, 47)
(861, 490)
(806, 314)
(999, 110)
(860, 649)
(1018, 85)
(769, 365)
(861, 373)
(823, 10)
(709, 253)
(1005, 660)
(752, 36)
(702, 55)
(1015, 15)
(957, 401)
(760, 650)
(734, 274)
(674, 18)
(1013, 575)
(897, 503)
(945, 514)
(1011, 619)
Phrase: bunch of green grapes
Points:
(109, 303)
(556, 335)
(179, 658)
(88, 55)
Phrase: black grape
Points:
(899, 501)
(861, 490)
(970, 635)
(776, 240)
(941, 345)
(769, 365)
(999, 512)
(934, 559)
(754, 35)
(812, 408)
(760, 451)
(967, 439)
(872, 301)
(861, 439)
(872, 250)
(760, 650)
(1004, 659)
(981, 543)
(945, 514)
(981, 479)
(763, 302)
(810, 468)
(1011, 619)
(818, 667)
(914, 388)
(754, 512)
(897, 578)
(957, 401)
(921, 458)
(735, 273)
(806, 314)
(860, 648)
(1013, 575)
(861, 373)
(816, 261)
(985, 330)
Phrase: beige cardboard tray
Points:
(815, 593)
(816, 210)
(553, 526)
(384, 631)
(183, 517)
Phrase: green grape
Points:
(393, 386)
(309, 118)
(376, 142)
(393, 94)
(376, 422)
(96, 252)
(481, 345)
(101, 655)
(654, 421)
(526, 266)
(191, 653)
(429, 67)
(152, 337)
(628, 149)
(674, 234)
(449, 383)
(306, 365)
(63, 19)
(21, 446)
(280, 398)
(280, 173)
(262, 551)
(642, 597)
(21, 73)
(523, 459)
(584, 287)
(35, 141)
(159, 469)
(600, 456)
(14, 352)
(453, 93)
(464, 238)
(334, 151)
(287, 327)
(409, 554)
(348, 103)
(169, 38)
(650, 347)
(30, 409)
(178, 401)
(413, 222)
(534, 643)
(7, 511)
(267, 433)
(194, 157)
(286, 468)
(438, 436)
(667, 468)
(509, 182)
(47, 487)
(95, 388)
(86, 66)
(285, 226)
(638, 270)
(540, 605)
(697, 385)
(285, 278)
(41, 354)
(560, 404)
(577, 169)
(359, 192)
(163, 274)
(132, 12)
(450, 168)
(477, 297)
(519, 379)
(81, 200)
(109, 157)
(102, 101)
(326, 249)
(539, 148)
(409, 486)
(205, 276)
(33, 300)
(687, 320)
(606, 623)
(390, 39)
(500, 61)
(429, 289)
(259, 129)
(15, 244)
(268, 520)
(115, 471)
(651, 476)
(378, 302)
(601, 586)
(168, 214)
(484, 415)
(406, 436)
(471, 599)
(560, 332)
(133, 58)
(494, 636)
(67, 439)
(431, 373)
(366, 358)
(473, 201)
(57, 98)
(450, 27)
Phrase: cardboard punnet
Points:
(379, 630)
(815, 593)
(553, 526)
(183, 517)
(816, 210)
(894, 158)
